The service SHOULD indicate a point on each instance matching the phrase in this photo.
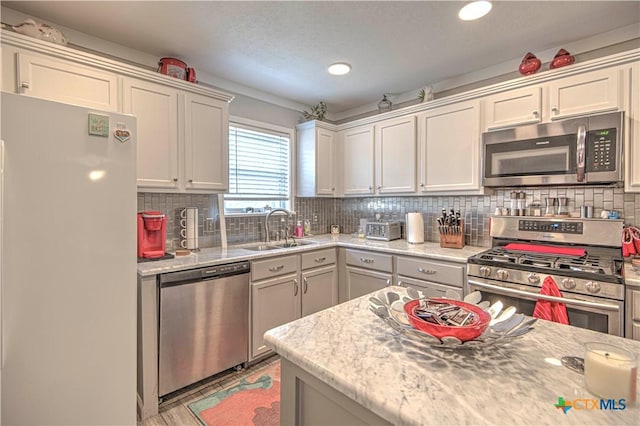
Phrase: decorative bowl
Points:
(463, 333)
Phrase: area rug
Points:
(254, 400)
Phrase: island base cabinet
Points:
(305, 400)
(273, 302)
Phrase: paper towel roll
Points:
(415, 228)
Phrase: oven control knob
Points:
(568, 283)
(533, 278)
(485, 271)
(593, 287)
(502, 274)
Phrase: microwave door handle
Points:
(580, 153)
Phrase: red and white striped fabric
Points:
(551, 311)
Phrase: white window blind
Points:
(258, 167)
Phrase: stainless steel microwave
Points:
(584, 150)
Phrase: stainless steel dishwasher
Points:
(204, 324)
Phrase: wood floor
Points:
(175, 411)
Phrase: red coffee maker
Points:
(152, 234)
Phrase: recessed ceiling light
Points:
(339, 68)
(475, 10)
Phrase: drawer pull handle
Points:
(24, 85)
(320, 259)
(295, 287)
(306, 285)
(427, 271)
(276, 268)
(365, 260)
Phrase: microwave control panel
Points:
(601, 151)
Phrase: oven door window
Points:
(577, 317)
(543, 156)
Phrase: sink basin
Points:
(277, 246)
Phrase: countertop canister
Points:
(415, 228)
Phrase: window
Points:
(259, 167)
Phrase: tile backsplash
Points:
(347, 212)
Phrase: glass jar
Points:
(550, 209)
(563, 208)
(521, 203)
(513, 206)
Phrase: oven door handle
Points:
(538, 296)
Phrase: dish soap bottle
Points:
(299, 229)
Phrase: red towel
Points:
(535, 248)
(551, 311)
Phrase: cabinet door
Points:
(206, 143)
(325, 160)
(632, 132)
(362, 281)
(596, 91)
(319, 289)
(512, 108)
(431, 289)
(358, 167)
(450, 148)
(273, 302)
(156, 109)
(62, 81)
(396, 147)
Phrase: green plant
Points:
(316, 113)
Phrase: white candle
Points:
(610, 372)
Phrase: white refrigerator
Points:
(68, 264)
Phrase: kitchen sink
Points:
(277, 246)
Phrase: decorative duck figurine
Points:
(41, 31)
(562, 59)
(530, 64)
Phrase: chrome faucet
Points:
(266, 223)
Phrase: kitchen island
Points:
(346, 366)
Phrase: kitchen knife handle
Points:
(580, 153)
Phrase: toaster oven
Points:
(385, 231)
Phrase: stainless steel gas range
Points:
(583, 256)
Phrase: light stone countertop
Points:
(217, 256)
(631, 277)
(356, 353)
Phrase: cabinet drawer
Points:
(369, 260)
(430, 289)
(433, 271)
(318, 258)
(261, 269)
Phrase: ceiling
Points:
(283, 48)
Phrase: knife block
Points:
(454, 240)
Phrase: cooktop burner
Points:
(599, 265)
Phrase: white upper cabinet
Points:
(206, 159)
(156, 108)
(358, 166)
(58, 80)
(590, 92)
(513, 108)
(316, 160)
(450, 148)
(395, 155)
(632, 132)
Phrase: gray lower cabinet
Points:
(366, 272)
(319, 281)
(433, 278)
(633, 314)
(273, 302)
(286, 288)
